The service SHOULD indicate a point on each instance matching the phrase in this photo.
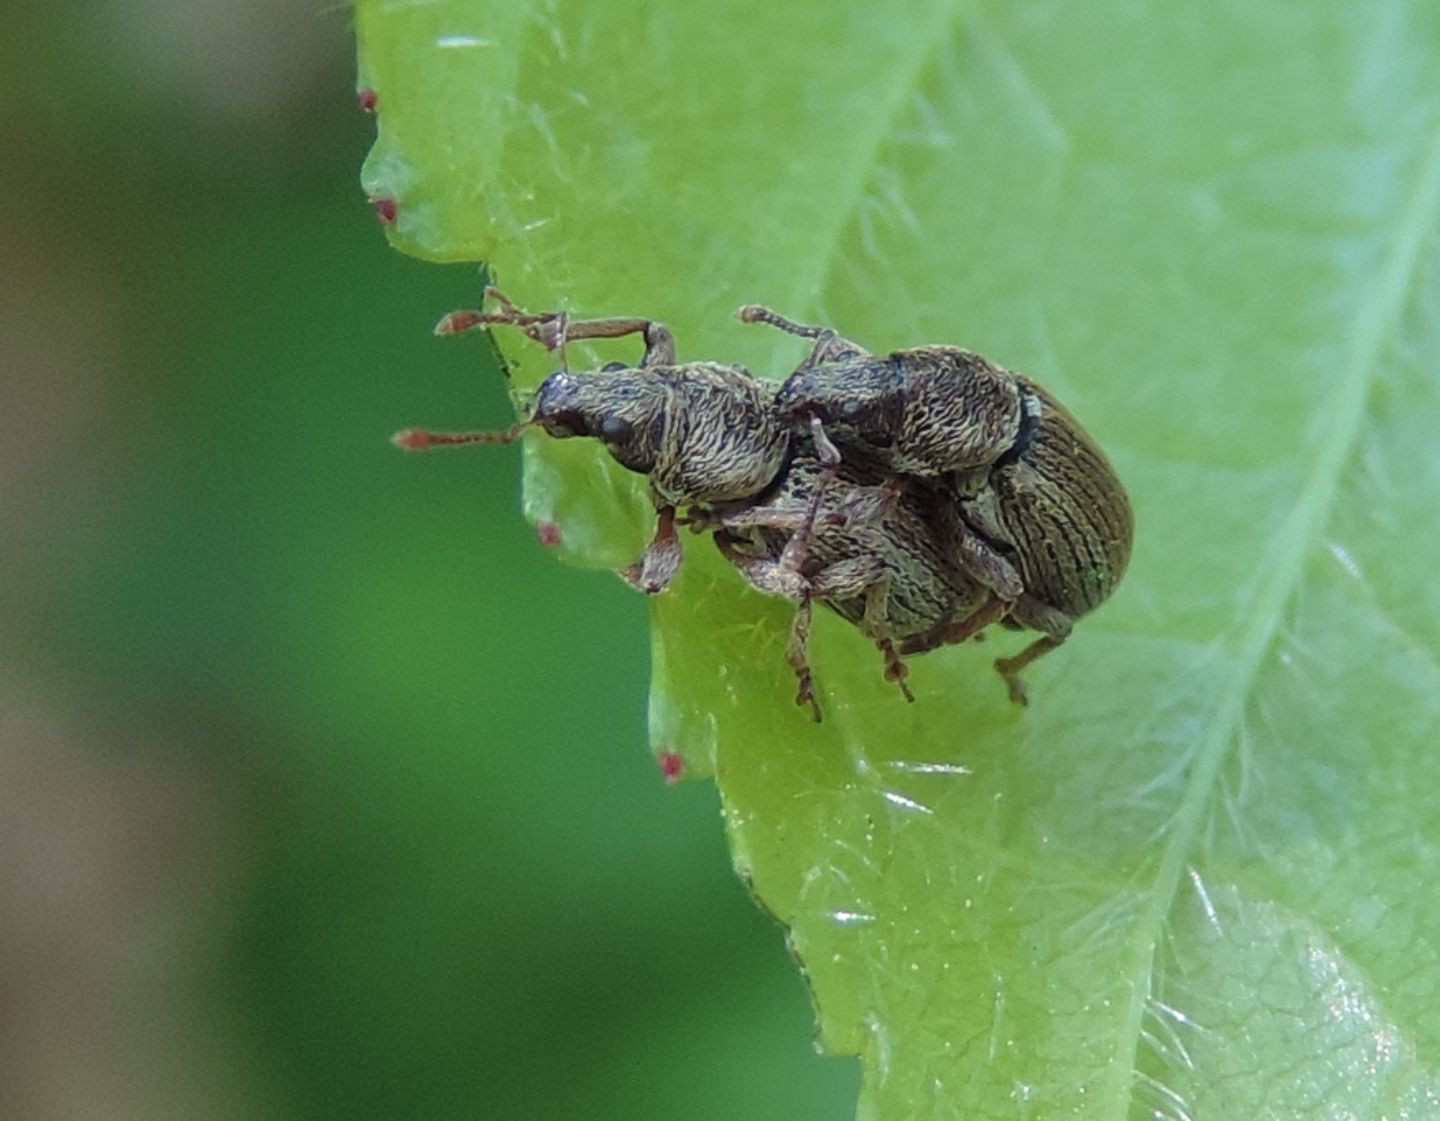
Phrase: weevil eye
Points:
(615, 430)
(851, 412)
(611, 367)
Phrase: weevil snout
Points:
(560, 407)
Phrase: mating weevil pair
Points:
(922, 495)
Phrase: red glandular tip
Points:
(369, 101)
(672, 766)
(548, 534)
(385, 210)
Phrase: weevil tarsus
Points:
(660, 562)
(797, 653)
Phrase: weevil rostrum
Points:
(922, 495)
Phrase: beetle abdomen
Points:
(1063, 509)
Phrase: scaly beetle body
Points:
(794, 520)
(850, 539)
(1037, 513)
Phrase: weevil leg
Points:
(1009, 668)
(829, 346)
(950, 634)
(868, 506)
(554, 329)
(793, 556)
(797, 653)
(660, 562)
(895, 668)
(877, 606)
(1030, 612)
(978, 558)
(659, 342)
(766, 576)
(535, 325)
(866, 576)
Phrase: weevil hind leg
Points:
(1009, 668)
(829, 346)
(1056, 626)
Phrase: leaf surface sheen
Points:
(1196, 878)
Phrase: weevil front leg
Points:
(829, 346)
(660, 562)
(866, 577)
(553, 330)
(775, 579)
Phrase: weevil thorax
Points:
(961, 411)
(626, 409)
(723, 438)
(861, 401)
(925, 411)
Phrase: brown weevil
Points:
(794, 519)
(1035, 511)
(860, 544)
(700, 431)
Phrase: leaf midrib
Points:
(1375, 323)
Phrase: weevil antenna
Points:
(754, 313)
(422, 439)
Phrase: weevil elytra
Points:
(1035, 512)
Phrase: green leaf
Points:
(1197, 877)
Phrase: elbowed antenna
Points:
(422, 439)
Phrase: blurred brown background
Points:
(324, 792)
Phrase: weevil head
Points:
(624, 408)
(860, 401)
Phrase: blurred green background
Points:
(324, 791)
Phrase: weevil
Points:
(1035, 511)
(792, 517)
(865, 547)
(701, 432)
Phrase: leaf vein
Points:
(1375, 322)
